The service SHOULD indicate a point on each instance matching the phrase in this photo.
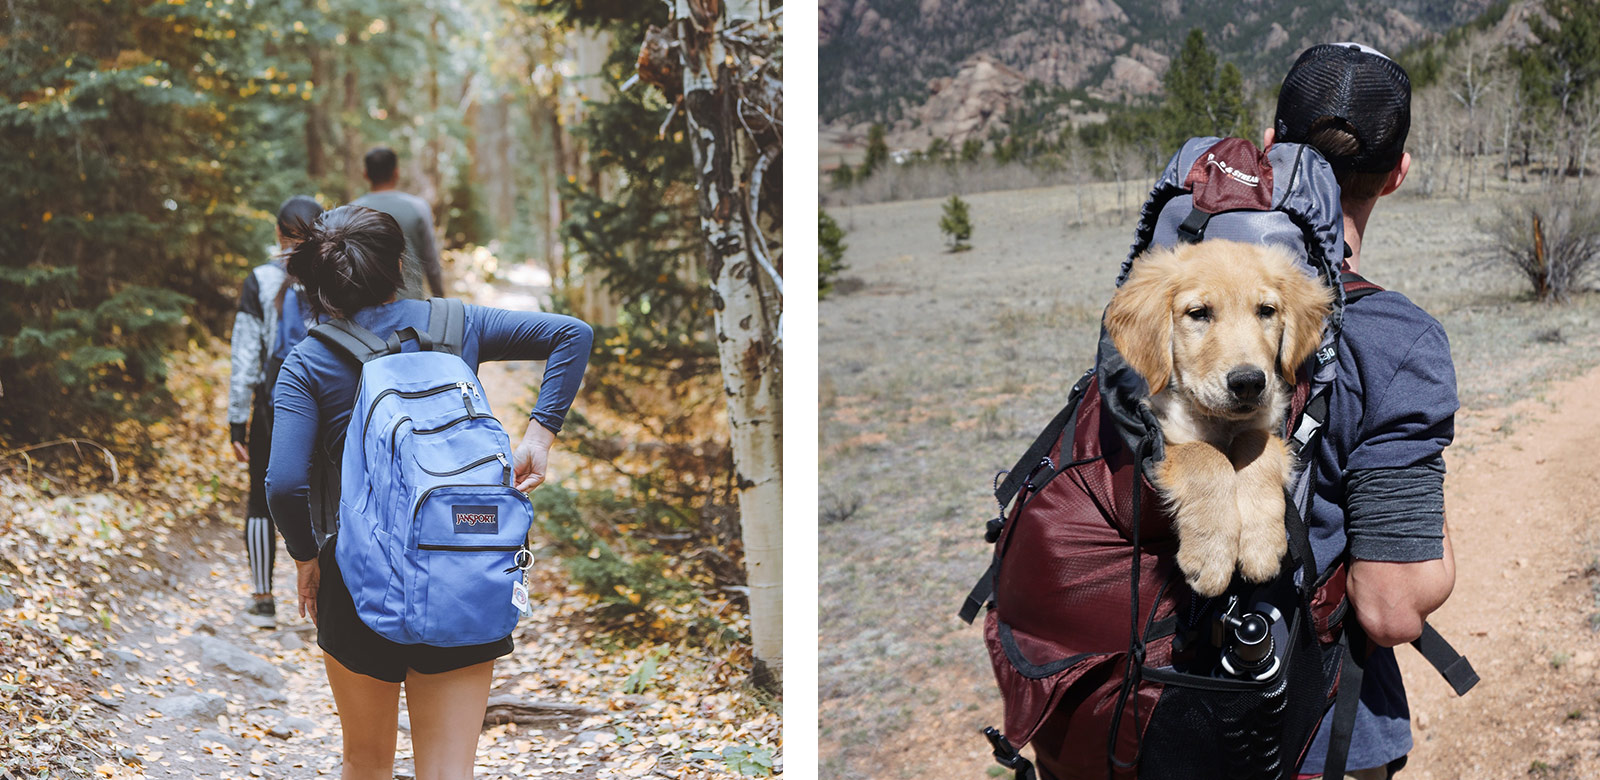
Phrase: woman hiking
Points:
(255, 329)
(349, 268)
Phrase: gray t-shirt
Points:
(421, 261)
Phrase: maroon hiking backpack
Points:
(1109, 665)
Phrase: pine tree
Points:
(1200, 98)
(830, 253)
(955, 224)
(1564, 68)
(877, 152)
(133, 133)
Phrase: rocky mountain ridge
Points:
(952, 68)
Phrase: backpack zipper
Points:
(470, 466)
(394, 433)
(373, 407)
(471, 548)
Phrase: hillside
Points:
(881, 60)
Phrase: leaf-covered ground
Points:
(122, 655)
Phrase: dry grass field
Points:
(937, 370)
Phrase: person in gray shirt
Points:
(421, 257)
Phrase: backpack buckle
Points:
(991, 532)
(1008, 756)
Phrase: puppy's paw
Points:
(1262, 538)
(1260, 559)
(1207, 574)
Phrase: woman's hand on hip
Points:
(531, 457)
(308, 578)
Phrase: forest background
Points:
(148, 143)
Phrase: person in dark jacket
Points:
(350, 267)
(255, 328)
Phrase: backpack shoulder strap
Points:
(1356, 286)
(447, 324)
(351, 340)
(1062, 430)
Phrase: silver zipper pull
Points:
(505, 464)
(467, 392)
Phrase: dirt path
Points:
(194, 692)
(187, 689)
(1521, 498)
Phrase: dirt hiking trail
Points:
(166, 680)
(1521, 500)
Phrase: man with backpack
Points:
(1109, 664)
(1379, 466)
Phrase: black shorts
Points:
(341, 634)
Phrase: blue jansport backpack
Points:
(432, 533)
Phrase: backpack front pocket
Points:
(466, 540)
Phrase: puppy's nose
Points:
(1247, 382)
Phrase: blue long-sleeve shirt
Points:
(316, 390)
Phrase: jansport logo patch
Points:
(476, 519)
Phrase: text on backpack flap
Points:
(1232, 175)
(473, 519)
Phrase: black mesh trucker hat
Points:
(1367, 92)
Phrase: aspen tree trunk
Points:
(717, 51)
(351, 119)
(317, 114)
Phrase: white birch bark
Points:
(729, 159)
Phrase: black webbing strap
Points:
(1193, 227)
(350, 340)
(447, 324)
(980, 593)
(1453, 666)
(1344, 705)
(1060, 429)
(424, 341)
(1311, 420)
(1019, 473)
(1008, 756)
(1300, 541)
(1136, 643)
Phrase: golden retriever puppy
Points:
(1218, 329)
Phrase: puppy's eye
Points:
(1200, 313)
(1266, 310)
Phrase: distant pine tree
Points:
(1202, 99)
(956, 224)
(877, 152)
(830, 253)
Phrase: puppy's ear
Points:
(1306, 305)
(1139, 320)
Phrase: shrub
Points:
(956, 225)
(830, 253)
(1553, 242)
(69, 369)
(625, 580)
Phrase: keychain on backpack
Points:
(519, 590)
